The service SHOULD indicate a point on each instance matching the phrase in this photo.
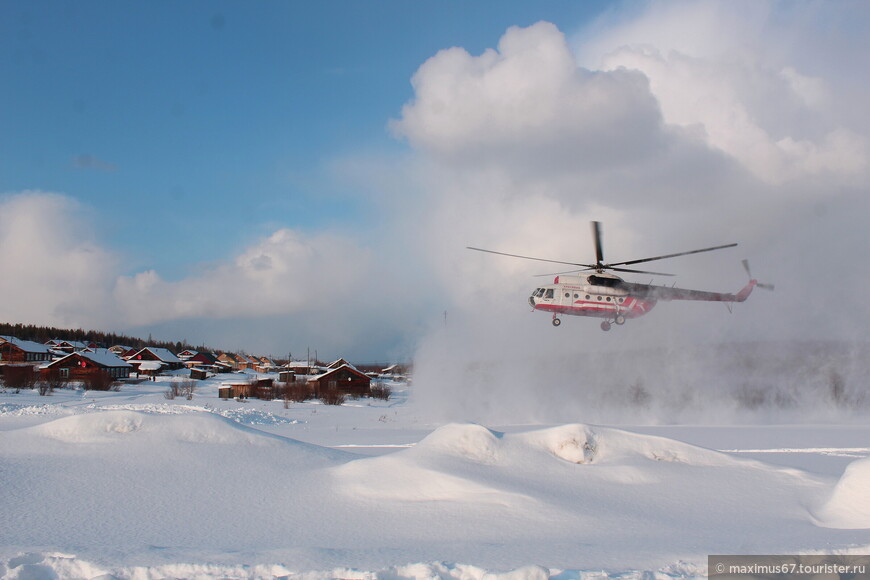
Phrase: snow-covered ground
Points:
(128, 484)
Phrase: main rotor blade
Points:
(637, 271)
(562, 273)
(529, 257)
(670, 256)
(596, 235)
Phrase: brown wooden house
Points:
(154, 354)
(13, 350)
(83, 365)
(344, 379)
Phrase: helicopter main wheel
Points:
(556, 321)
(620, 319)
(605, 326)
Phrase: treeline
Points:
(42, 334)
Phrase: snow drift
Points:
(139, 494)
(849, 504)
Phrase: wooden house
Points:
(83, 365)
(13, 350)
(344, 379)
(253, 387)
(234, 360)
(197, 359)
(154, 354)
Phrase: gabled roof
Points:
(75, 344)
(28, 345)
(207, 357)
(162, 354)
(102, 358)
(349, 367)
(336, 364)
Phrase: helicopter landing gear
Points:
(620, 319)
(556, 321)
(605, 326)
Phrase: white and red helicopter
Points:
(607, 296)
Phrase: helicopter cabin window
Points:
(549, 294)
(567, 295)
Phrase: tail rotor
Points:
(749, 273)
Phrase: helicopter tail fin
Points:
(746, 291)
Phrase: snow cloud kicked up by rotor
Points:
(679, 126)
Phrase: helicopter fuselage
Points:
(600, 296)
(607, 296)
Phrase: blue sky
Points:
(265, 176)
(192, 127)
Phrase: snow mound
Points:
(583, 444)
(35, 565)
(134, 429)
(849, 504)
(470, 441)
(470, 463)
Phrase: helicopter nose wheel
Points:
(620, 319)
(556, 321)
(605, 326)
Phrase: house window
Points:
(64, 372)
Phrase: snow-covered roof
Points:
(102, 358)
(105, 358)
(297, 364)
(28, 345)
(162, 353)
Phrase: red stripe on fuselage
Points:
(631, 308)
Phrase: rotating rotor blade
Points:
(560, 273)
(530, 257)
(749, 273)
(596, 235)
(606, 267)
(628, 263)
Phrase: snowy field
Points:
(128, 484)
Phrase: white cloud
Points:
(718, 67)
(284, 273)
(528, 104)
(54, 271)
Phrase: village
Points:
(58, 363)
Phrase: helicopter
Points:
(601, 294)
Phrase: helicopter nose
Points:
(532, 301)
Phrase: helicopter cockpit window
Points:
(539, 292)
(549, 294)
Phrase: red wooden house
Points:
(13, 350)
(84, 365)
